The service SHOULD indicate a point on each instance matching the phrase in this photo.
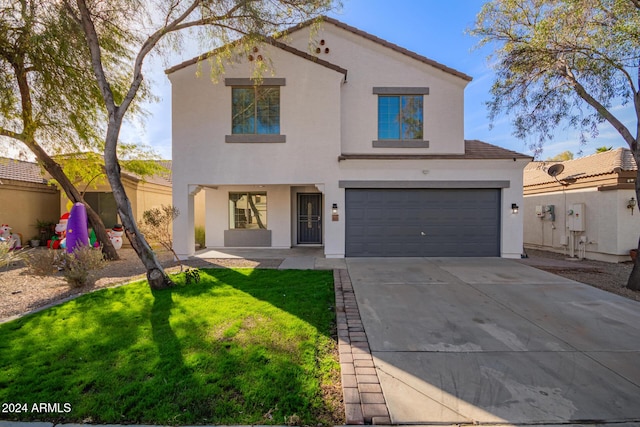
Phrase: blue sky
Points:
(433, 28)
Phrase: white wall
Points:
(322, 117)
(370, 65)
(454, 170)
(610, 229)
(201, 114)
(278, 212)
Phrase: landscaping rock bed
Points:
(611, 277)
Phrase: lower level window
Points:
(248, 211)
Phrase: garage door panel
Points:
(422, 222)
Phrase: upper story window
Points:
(255, 110)
(401, 117)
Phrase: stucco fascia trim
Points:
(400, 90)
(278, 81)
(399, 143)
(254, 139)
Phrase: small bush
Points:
(192, 275)
(200, 236)
(9, 256)
(79, 265)
(42, 262)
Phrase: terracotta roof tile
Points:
(612, 161)
(19, 170)
(474, 150)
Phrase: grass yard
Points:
(243, 346)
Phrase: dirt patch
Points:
(611, 277)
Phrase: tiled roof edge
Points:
(268, 40)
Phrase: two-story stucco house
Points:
(349, 142)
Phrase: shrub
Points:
(192, 275)
(200, 236)
(42, 262)
(78, 267)
(9, 256)
(156, 226)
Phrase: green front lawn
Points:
(243, 346)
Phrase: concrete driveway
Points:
(488, 340)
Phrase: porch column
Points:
(184, 241)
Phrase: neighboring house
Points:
(589, 211)
(144, 193)
(26, 197)
(357, 146)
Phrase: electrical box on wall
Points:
(539, 211)
(575, 217)
(551, 210)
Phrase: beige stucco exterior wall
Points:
(150, 196)
(610, 229)
(373, 65)
(449, 171)
(22, 203)
(322, 116)
(201, 109)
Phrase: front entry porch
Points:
(295, 258)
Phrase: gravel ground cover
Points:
(611, 277)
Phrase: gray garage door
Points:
(422, 222)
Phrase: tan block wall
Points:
(22, 203)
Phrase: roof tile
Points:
(474, 150)
(19, 170)
(612, 161)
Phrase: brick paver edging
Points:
(364, 402)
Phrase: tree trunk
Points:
(156, 275)
(74, 195)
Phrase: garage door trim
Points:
(424, 184)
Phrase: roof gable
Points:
(315, 59)
(385, 43)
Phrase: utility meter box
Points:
(575, 217)
(539, 211)
(551, 210)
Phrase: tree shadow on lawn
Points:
(306, 294)
(155, 360)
